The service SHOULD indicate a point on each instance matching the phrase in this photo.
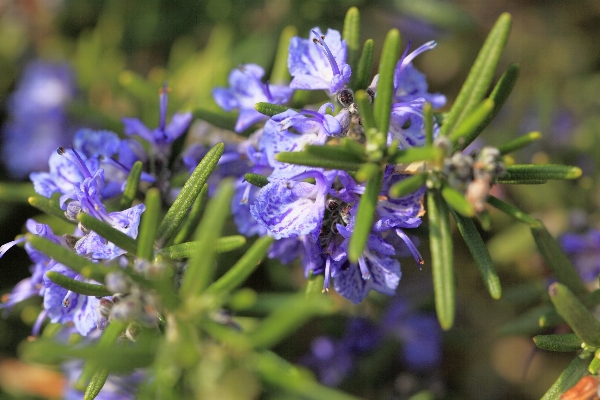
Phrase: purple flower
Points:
(331, 360)
(407, 124)
(64, 306)
(288, 208)
(292, 131)
(376, 270)
(410, 84)
(164, 134)
(319, 63)
(96, 247)
(404, 212)
(37, 119)
(246, 89)
(94, 151)
(419, 333)
(584, 251)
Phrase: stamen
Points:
(364, 270)
(328, 54)
(406, 59)
(163, 103)
(326, 282)
(411, 246)
(267, 91)
(76, 160)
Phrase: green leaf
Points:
(527, 323)
(108, 232)
(428, 120)
(48, 206)
(519, 143)
(353, 147)
(269, 109)
(485, 220)
(365, 66)
(256, 179)
(131, 187)
(149, 225)
(221, 120)
(522, 182)
(304, 158)
(457, 201)
(561, 342)
(499, 96)
(280, 74)
(200, 268)
(351, 33)
(366, 111)
(594, 365)
(364, 217)
(541, 172)
(279, 373)
(385, 87)
(188, 194)
(579, 318)
(366, 172)
(414, 154)
(480, 77)
(512, 211)
(287, 318)
(480, 254)
(88, 289)
(191, 222)
(466, 131)
(66, 256)
(408, 185)
(440, 239)
(16, 192)
(314, 284)
(96, 383)
(557, 260)
(334, 152)
(187, 249)
(550, 319)
(567, 379)
(243, 267)
(109, 337)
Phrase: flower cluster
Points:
(312, 211)
(83, 177)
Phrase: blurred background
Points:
(66, 64)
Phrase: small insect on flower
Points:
(586, 388)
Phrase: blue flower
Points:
(376, 270)
(37, 119)
(319, 63)
(584, 251)
(407, 124)
(288, 208)
(292, 131)
(331, 360)
(93, 151)
(164, 134)
(410, 84)
(96, 247)
(64, 306)
(246, 89)
(404, 212)
(419, 333)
